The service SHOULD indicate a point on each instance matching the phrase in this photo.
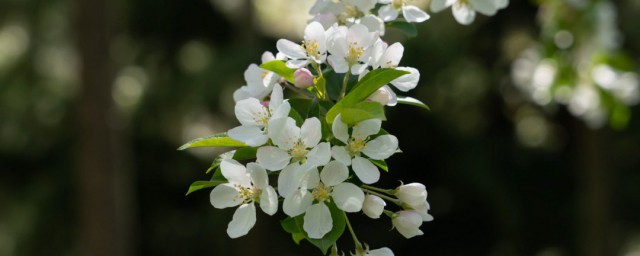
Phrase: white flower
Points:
(298, 145)
(350, 48)
(412, 194)
(246, 187)
(328, 185)
(254, 118)
(312, 49)
(407, 223)
(384, 251)
(259, 81)
(385, 56)
(385, 96)
(379, 148)
(389, 11)
(373, 206)
(464, 11)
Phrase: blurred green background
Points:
(96, 95)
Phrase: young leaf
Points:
(367, 85)
(279, 67)
(413, 102)
(380, 163)
(362, 111)
(202, 184)
(216, 140)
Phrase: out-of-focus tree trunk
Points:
(104, 186)
(594, 193)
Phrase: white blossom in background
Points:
(329, 184)
(464, 11)
(359, 142)
(312, 49)
(246, 187)
(389, 11)
(259, 81)
(350, 48)
(389, 56)
(254, 117)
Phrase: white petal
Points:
(320, 155)
(224, 195)
(414, 14)
(297, 203)
(267, 56)
(340, 129)
(366, 171)
(392, 56)
(408, 81)
(282, 111)
(339, 64)
(235, 172)
(381, 147)
(384, 251)
(258, 175)
(340, 153)
(348, 197)
(248, 111)
(439, 5)
(317, 221)
(373, 206)
(289, 179)
(334, 173)
(315, 32)
(283, 132)
(388, 13)
(272, 158)
(463, 14)
(297, 63)
(241, 94)
(360, 34)
(337, 42)
(243, 220)
(366, 128)
(276, 98)
(311, 132)
(253, 76)
(249, 134)
(356, 69)
(483, 6)
(500, 3)
(373, 23)
(393, 98)
(269, 200)
(291, 49)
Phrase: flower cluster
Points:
(311, 117)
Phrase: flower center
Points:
(397, 3)
(262, 117)
(356, 145)
(248, 195)
(311, 47)
(299, 151)
(354, 54)
(321, 192)
(460, 3)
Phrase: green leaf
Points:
(202, 184)
(367, 85)
(245, 153)
(321, 85)
(380, 163)
(408, 29)
(297, 237)
(362, 111)
(279, 67)
(216, 161)
(330, 238)
(216, 140)
(413, 102)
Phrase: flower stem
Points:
(388, 198)
(386, 191)
(344, 84)
(298, 91)
(353, 234)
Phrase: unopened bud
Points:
(373, 206)
(412, 194)
(303, 78)
(407, 223)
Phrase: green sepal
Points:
(280, 67)
(216, 140)
(380, 163)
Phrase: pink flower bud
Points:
(303, 78)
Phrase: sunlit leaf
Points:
(216, 140)
(413, 102)
(380, 163)
(362, 111)
(279, 67)
(202, 184)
